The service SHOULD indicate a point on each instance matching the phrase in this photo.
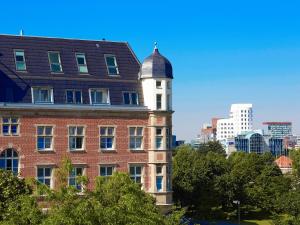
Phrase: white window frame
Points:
(116, 65)
(15, 56)
(85, 65)
(99, 89)
(130, 97)
(159, 175)
(106, 166)
(10, 124)
(44, 135)
(74, 98)
(156, 100)
(76, 135)
(75, 177)
(135, 136)
(50, 89)
(59, 62)
(106, 135)
(45, 177)
(161, 136)
(135, 176)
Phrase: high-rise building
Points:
(208, 131)
(279, 129)
(239, 121)
(88, 100)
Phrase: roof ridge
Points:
(62, 38)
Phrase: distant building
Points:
(284, 163)
(208, 131)
(279, 129)
(240, 120)
(255, 142)
(297, 142)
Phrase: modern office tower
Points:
(239, 121)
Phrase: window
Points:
(158, 138)
(169, 102)
(9, 160)
(42, 95)
(158, 84)
(73, 177)
(158, 101)
(168, 84)
(44, 175)
(44, 137)
(106, 171)
(111, 64)
(136, 138)
(130, 98)
(76, 137)
(136, 174)
(20, 60)
(168, 138)
(55, 63)
(107, 136)
(81, 62)
(169, 177)
(10, 126)
(159, 178)
(73, 97)
(99, 96)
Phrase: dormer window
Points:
(81, 62)
(130, 98)
(55, 63)
(20, 60)
(42, 95)
(111, 64)
(99, 96)
(73, 97)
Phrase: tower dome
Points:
(156, 66)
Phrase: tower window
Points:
(158, 101)
(112, 66)
(158, 84)
(130, 98)
(81, 62)
(20, 60)
(55, 63)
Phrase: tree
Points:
(117, 200)
(212, 146)
(194, 177)
(11, 187)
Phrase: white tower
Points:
(156, 76)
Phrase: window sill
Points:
(77, 151)
(137, 150)
(56, 72)
(114, 75)
(108, 150)
(45, 151)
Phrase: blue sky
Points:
(223, 52)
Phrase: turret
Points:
(156, 75)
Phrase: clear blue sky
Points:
(222, 52)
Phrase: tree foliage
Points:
(205, 181)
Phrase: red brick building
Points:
(90, 101)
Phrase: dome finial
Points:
(155, 45)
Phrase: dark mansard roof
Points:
(38, 69)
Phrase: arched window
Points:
(9, 160)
